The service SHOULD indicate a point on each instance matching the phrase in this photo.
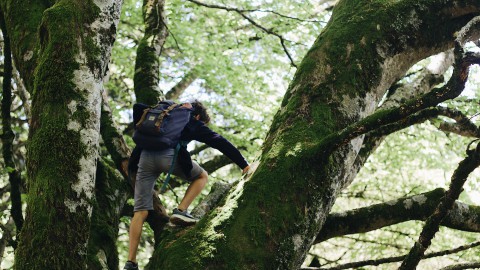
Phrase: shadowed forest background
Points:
(357, 115)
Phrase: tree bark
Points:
(75, 42)
(271, 219)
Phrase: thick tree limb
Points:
(418, 207)
(292, 191)
(426, 80)
(470, 163)
(452, 89)
(75, 45)
(217, 193)
(7, 133)
(216, 163)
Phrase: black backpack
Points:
(160, 126)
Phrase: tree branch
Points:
(199, 149)
(418, 207)
(216, 163)
(356, 265)
(217, 193)
(452, 89)
(22, 92)
(252, 10)
(463, 127)
(462, 266)
(180, 87)
(242, 12)
(470, 163)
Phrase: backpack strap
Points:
(172, 167)
(139, 123)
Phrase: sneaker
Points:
(130, 266)
(182, 218)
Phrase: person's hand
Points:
(246, 169)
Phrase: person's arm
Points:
(211, 138)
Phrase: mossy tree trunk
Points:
(147, 65)
(270, 220)
(75, 42)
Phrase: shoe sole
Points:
(182, 221)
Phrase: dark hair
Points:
(200, 109)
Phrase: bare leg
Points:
(135, 233)
(193, 190)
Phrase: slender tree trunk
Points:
(111, 195)
(270, 220)
(7, 133)
(75, 42)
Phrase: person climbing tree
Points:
(166, 152)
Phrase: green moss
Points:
(146, 74)
(54, 151)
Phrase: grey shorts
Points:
(151, 165)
